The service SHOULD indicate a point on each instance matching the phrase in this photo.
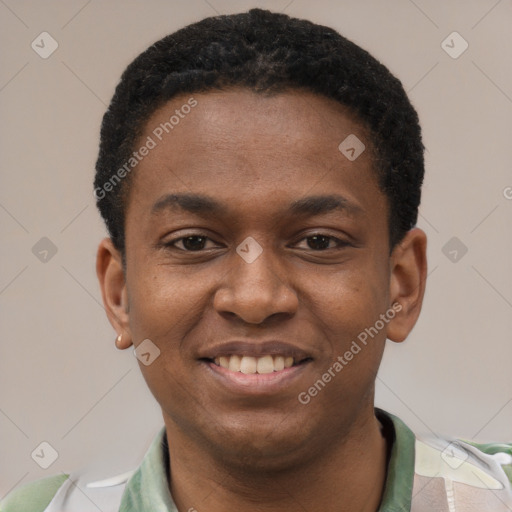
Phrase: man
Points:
(260, 178)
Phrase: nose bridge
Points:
(256, 267)
(255, 288)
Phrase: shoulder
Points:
(461, 473)
(34, 496)
(501, 452)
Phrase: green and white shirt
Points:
(424, 475)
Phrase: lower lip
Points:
(256, 383)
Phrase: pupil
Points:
(318, 242)
(194, 243)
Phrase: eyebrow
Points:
(193, 203)
(205, 205)
(317, 205)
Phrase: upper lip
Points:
(254, 349)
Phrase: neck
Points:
(349, 475)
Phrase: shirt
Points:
(423, 475)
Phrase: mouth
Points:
(250, 365)
(255, 368)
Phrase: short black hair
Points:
(265, 52)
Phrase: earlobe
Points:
(407, 282)
(121, 343)
(110, 272)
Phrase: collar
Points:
(400, 474)
(148, 489)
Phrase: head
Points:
(260, 178)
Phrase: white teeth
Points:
(248, 364)
(251, 365)
(234, 363)
(265, 364)
(278, 363)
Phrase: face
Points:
(257, 254)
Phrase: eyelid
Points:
(171, 243)
(339, 241)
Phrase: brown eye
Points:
(321, 242)
(318, 242)
(194, 243)
(189, 243)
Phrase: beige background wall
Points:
(62, 380)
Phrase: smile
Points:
(255, 368)
(251, 365)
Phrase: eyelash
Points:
(340, 243)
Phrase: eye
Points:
(320, 242)
(191, 243)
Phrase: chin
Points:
(259, 446)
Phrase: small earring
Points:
(118, 340)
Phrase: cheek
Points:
(163, 302)
(164, 307)
(351, 301)
(351, 306)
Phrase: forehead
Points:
(238, 145)
(240, 116)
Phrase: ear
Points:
(110, 272)
(407, 283)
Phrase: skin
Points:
(233, 450)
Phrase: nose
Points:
(255, 291)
